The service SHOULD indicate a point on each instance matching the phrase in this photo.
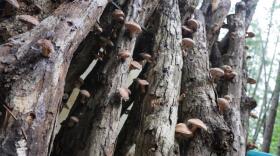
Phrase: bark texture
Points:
(32, 85)
(160, 102)
(200, 100)
(234, 58)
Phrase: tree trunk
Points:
(32, 86)
(160, 103)
(270, 120)
(200, 100)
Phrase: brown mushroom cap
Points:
(216, 72)
(28, 19)
(14, 3)
(182, 130)
(142, 82)
(85, 93)
(251, 80)
(146, 56)
(135, 65)
(74, 119)
(133, 27)
(250, 35)
(253, 115)
(186, 30)
(187, 42)
(124, 93)
(47, 47)
(193, 24)
(230, 75)
(223, 104)
(124, 54)
(227, 68)
(118, 14)
(196, 123)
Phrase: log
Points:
(32, 85)
(160, 102)
(200, 101)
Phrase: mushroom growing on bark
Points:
(135, 65)
(73, 120)
(124, 93)
(133, 27)
(253, 115)
(251, 80)
(250, 35)
(29, 20)
(194, 124)
(84, 95)
(124, 54)
(223, 104)
(146, 57)
(187, 43)
(118, 15)
(182, 131)
(216, 73)
(46, 47)
(143, 84)
(193, 24)
(186, 30)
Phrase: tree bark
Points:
(270, 120)
(234, 58)
(160, 103)
(200, 100)
(32, 86)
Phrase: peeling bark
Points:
(33, 85)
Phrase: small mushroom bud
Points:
(251, 80)
(194, 124)
(146, 56)
(187, 43)
(84, 95)
(13, 3)
(223, 104)
(253, 115)
(124, 54)
(143, 84)
(186, 30)
(216, 73)
(133, 27)
(182, 131)
(250, 35)
(47, 47)
(124, 93)
(118, 15)
(193, 24)
(73, 120)
(135, 65)
(30, 20)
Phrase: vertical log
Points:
(200, 100)
(234, 58)
(33, 85)
(160, 103)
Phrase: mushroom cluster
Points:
(187, 31)
(229, 73)
(187, 131)
(216, 73)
